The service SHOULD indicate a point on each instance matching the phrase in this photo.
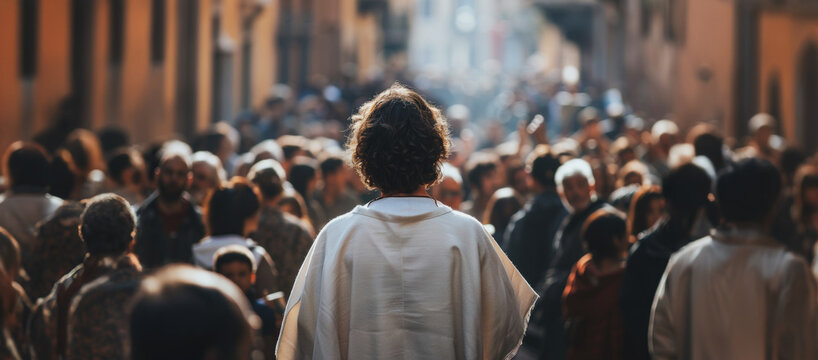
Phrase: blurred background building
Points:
(163, 67)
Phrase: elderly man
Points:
(575, 184)
(168, 222)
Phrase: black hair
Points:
(686, 188)
(300, 175)
(710, 146)
(231, 254)
(481, 165)
(267, 178)
(186, 313)
(227, 208)
(26, 164)
(330, 165)
(112, 138)
(600, 232)
(62, 175)
(118, 163)
(543, 167)
(748, 190)
(107, 225)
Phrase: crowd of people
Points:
(641, 240)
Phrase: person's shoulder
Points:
(689, 254)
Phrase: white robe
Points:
(405, 278)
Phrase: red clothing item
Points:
(592, 313)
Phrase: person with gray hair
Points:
(575, 185)
(169, 223)
(208, 174)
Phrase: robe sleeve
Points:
(507, 301)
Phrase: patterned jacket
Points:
(98, 321)
(287, 239)
(59, 250)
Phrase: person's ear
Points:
(253, 278)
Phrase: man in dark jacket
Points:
(575, 182)
(686, 190)
(168, 222)
(529, 240)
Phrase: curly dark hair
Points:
(107, 225)
(398, 141)
(227, 208)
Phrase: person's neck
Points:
(170, 206)
(419, 192)
(607, 266)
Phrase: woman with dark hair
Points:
(304, 178)
(230, 215)
(805, 210)
(404, 276)
(502, 205)
(647, 207)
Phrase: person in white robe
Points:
(404, 277)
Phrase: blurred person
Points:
(8, 347)
(685, 190)
(804, 212)
(304, 178)
(591, 137)
(623, 150)
(530, 239)
(334, 196)
(231, 214)
(15, 306)
(604, 174)
(216, 143)
(111, 139)
(449, 190)
(517, 178)
(285, 237)
(267, 149)
(663, 135)
(646, 209)
(86, 152)
(738, 281)
(227, 151)
(59, 249)
(590, 301)
(107, 228)
(710, 145)
(292, 203)
(398, 143)
(622, 197)
(27, 201)
(576, 186)
(208, 174)
(243, 164)
(504, 203)
(62, 175)
(484, 177)
(680, 154)
(181, 312)
(292, 147)
(237, 263)
(168, 221)
(126, 175)
(633, 172)
(763, 142)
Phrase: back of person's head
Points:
(26, 164)
(502, 205)
(9, 251)
(233, 253)
(62, 175)
(330, 165)
(543, 165)
(748, 191)
(267, 149)
(182, 312)
(686, 188)
(604, 236)
(228, 208)
(112, 138)
(291, 145)
(301, 174)
(398, 141)
(107, 225)
(123, 160)
(269, 176)
(86, 150)
(711, 146)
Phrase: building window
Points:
(28, 38)
(157, 31)
(117, 32)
